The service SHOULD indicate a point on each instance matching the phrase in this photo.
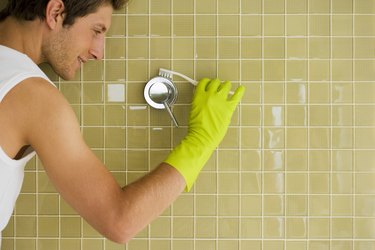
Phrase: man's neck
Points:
(23, 36)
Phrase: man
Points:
(35, 117)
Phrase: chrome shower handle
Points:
(161, 93)
(170, 114)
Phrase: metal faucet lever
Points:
(161, 93)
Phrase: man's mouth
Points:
(81, 60)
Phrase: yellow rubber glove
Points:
(210, 115)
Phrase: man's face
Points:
(71, 46)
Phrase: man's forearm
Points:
(145, 199)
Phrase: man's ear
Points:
(54, 13)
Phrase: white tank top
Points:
(14, 68)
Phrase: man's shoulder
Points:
(34, 107)
(37, 98)
(38, 89)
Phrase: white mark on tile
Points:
(277, 116)
(157, 129)
(116, 92)
(302, 93)
(137, 107)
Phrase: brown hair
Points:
(28, 10)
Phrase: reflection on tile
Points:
(342, 116)
(296, 228)
(342, 183)
(251, 138)
(273, 227)
(296, 92)
(251, 183)
(274, 183)
(273, 138)
(342, 138)
(319, 138)
(273, 160)
(273, 116)
(273, 205)
(342, 93)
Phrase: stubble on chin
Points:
(56, 53)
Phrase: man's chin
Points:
(66, 75)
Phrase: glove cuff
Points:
(189, 158)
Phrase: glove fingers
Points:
(213, 85)
(202, 85)
(225, 88)
(238, 94)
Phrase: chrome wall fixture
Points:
(161, 93)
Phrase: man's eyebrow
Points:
(102, 27)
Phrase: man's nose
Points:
(97, 49)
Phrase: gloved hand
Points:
(210, 115)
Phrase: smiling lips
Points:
(81, 60)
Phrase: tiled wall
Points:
(296, 170)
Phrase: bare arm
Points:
(81, 179)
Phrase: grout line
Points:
(307, 118)
(284, 125)
(149, 110)
(171, 215)
(81, 128)
(354, 193)
(262, 129)
(104, 108)
(240, 233)
(125, 106)
(331, 126)
(194, 75)
(216, 150)
(59, 209)
(250, 14)
(143, 106)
